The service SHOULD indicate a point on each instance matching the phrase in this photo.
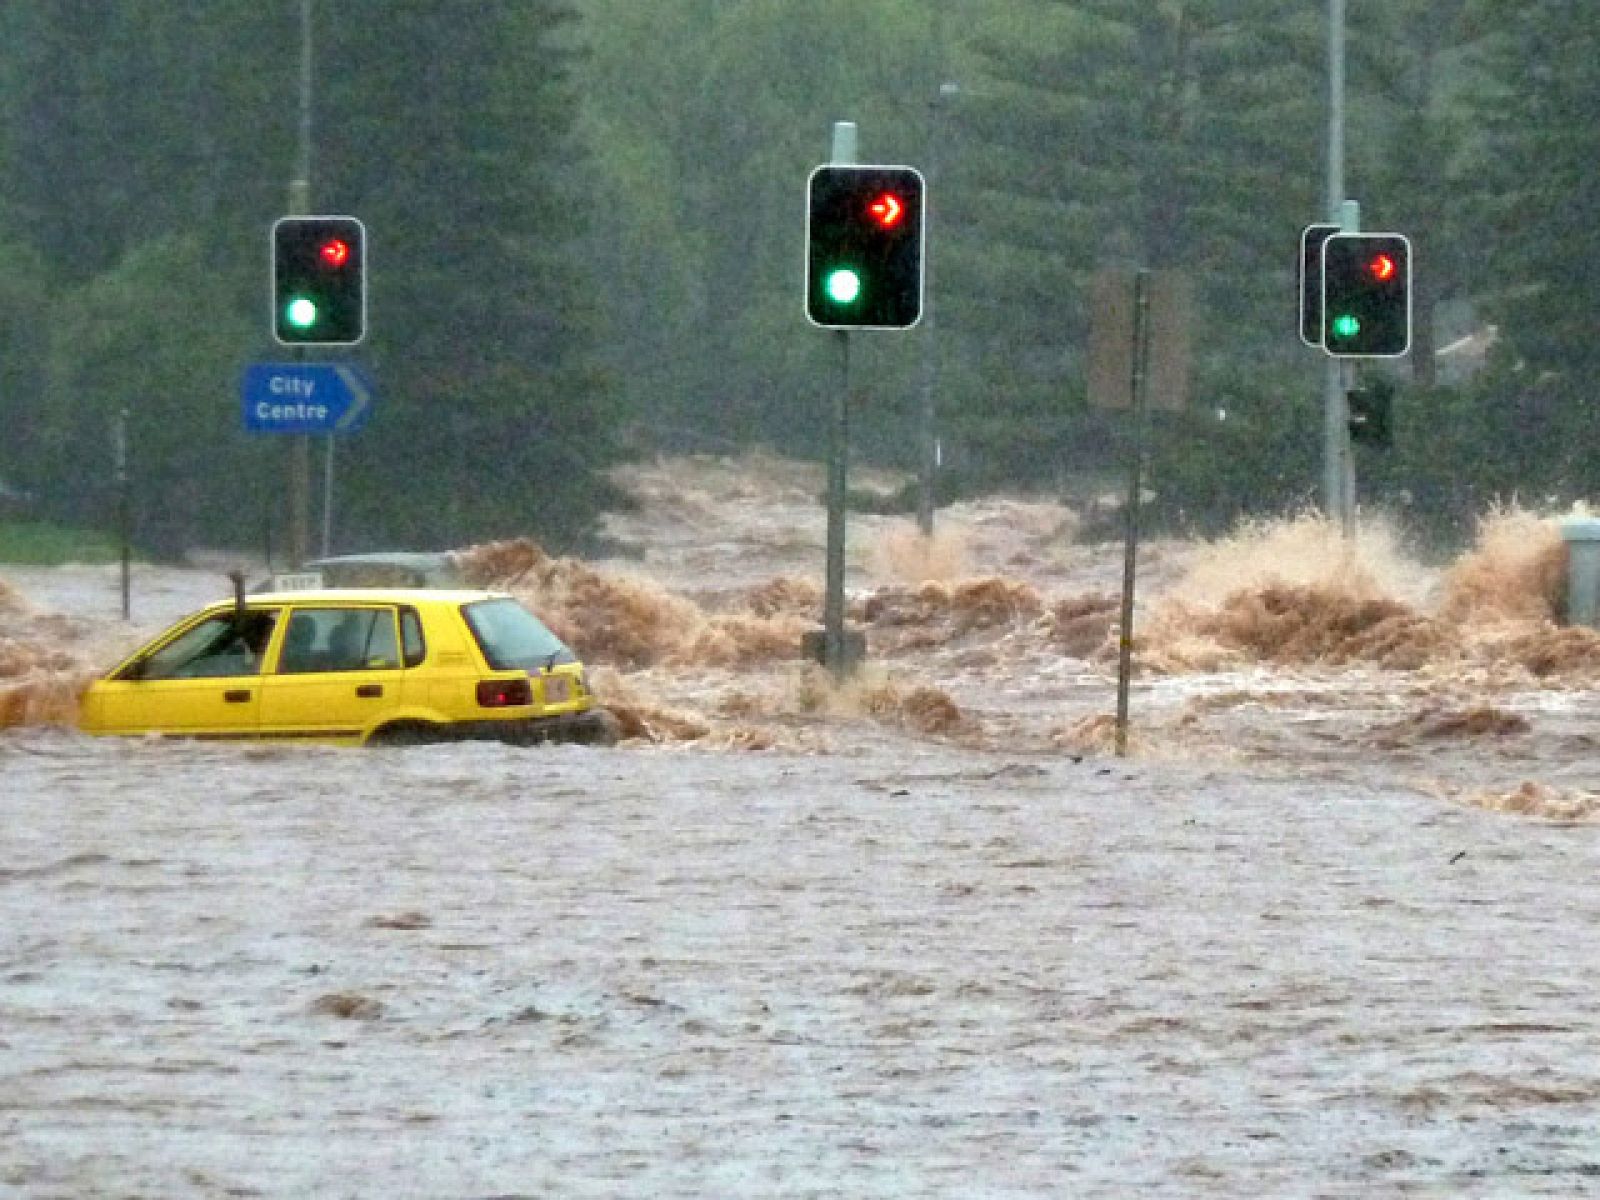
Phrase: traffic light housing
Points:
(1371, 414)
(1311, 239)
(864, 244)
(1366, 295)
(319, 281)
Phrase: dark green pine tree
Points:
(134, 120)
(1183, 135)
(1536, 193)
(149, 146)
(65, 117)
(131, 146)
(452, 134)
(1522, 196)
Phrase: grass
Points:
(40, 544)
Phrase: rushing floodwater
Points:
(1331, 930)
(903, 971)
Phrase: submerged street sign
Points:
(304, 398)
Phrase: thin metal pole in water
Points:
(1347, 383)
(838, 463)
(1130, 559)
(843, 152)
(1349, 218)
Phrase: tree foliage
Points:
(152, 144)
(1120, 134)
(587, 238)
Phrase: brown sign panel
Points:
(1169, 303)
(1111, 339)
(1171, 337)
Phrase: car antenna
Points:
(238, 594)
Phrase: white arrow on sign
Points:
(360, 398)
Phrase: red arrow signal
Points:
(334, 252)
(887, 210)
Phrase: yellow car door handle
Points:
(237, 696)
(369, 691)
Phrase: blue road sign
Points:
(304, 398)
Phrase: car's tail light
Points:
(505, 693)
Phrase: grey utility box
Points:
(1582, 535)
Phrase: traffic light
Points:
(1371, 413)
(1366, 295)
(1311, 239)
(864, 240)
(319, 281)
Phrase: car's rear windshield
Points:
(512, 638)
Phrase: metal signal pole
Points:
(1338, 503)
(300, 205)
(835, 650)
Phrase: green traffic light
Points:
(301, 312)
(843, 286)
(1346, 326)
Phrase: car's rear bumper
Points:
(594, 727)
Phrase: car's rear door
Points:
(336, 672)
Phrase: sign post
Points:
(302, 399)
(1139, 355)
(1137, 376)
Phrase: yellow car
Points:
(354, 666)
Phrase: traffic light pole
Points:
(299, 443)
(865, 232)
(1337, 503)
(300, 205)
(1342, 377)
(834, 650)
(1347, 384)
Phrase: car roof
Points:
(416, 596)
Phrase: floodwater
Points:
(1330, 929)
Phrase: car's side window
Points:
(220, 646)
(339, 639)
(415, 649)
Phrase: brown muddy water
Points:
(1330, 930)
